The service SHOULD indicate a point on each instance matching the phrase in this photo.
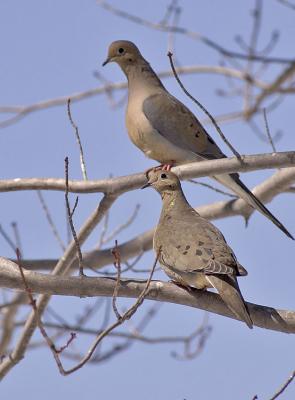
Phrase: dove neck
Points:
(174, 201)
(141, 74)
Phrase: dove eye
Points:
(163, 176)
(121, 50)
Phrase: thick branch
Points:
(131, 182)
(266, 191)
(263, 317)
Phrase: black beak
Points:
(146, 185)
(106, 62)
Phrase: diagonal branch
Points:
(63, 267)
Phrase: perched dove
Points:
(164, 128)
(192, 251)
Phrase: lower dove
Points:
(192, 251)
(164, 128)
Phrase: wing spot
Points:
(199, 252)
(187, 247)
(184, 253)
(178, 247)
(208, 251)
(201, 243)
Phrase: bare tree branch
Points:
(76, 130)
(277, 183)
(116, 186)
(192, 35)
(263, 316)
(63, 267)
(284, 387)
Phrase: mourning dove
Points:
(164, 128)
(192, 251)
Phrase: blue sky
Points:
(51, 49)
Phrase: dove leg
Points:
(164, 167)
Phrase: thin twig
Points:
(268, 131)
(7, 238)
(287, 3)
(202, 333)
(257, 14)
(117, 265)
(70, 217)
(17, 240)
(120, 228)
(127, 315)
(215, 189)
(82, 159)
(285, 385)
(193, 35)
(32, 301)
(202, 108)
(50, 220)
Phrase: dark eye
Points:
(163, 176)
(121, 50)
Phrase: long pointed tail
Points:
(229, 291)
(234, 183)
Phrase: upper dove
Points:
(164, 128)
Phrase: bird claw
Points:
(163, 167)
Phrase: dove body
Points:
(192, 251)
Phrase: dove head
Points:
(124, 53)
(163, 181)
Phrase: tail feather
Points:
(229, 291)
(234, 183)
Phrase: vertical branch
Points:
(70, 217)
(252, 51)
(82, 159)
(117, 264)
(16, 236)
(270, 139)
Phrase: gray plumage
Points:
(164, 128)
(192, 251)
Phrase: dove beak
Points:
(146, 185)
(106, 61)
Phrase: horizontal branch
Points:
(131, 182)
(263, 317)
(266, 191)
(21, 111)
